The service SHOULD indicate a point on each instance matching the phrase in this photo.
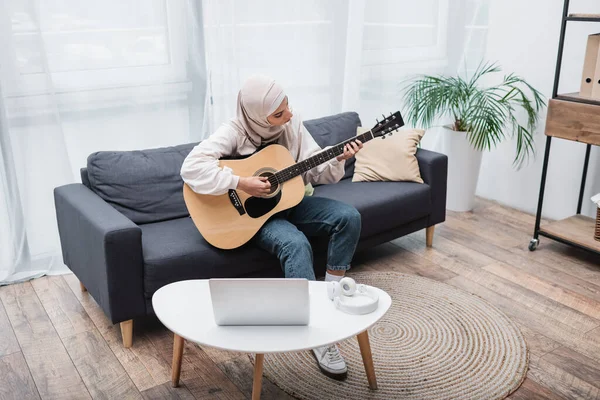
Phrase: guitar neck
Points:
(301, 167)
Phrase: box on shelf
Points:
(590, 80)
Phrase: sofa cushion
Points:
(392, 159)
(174, 250)
(144, 185)
(331, 130)
(382, 205)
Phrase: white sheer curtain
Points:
(299, 43)
(78, 77)
(404, 38)
(338, 55)
(82, 76)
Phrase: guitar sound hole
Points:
(258, 206)
(274, 185)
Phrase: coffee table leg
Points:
(365, 352)
(177, 355)
(258, 370)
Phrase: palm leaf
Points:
(485, 113)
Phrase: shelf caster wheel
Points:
(533, 244)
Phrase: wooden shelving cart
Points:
(577, 118)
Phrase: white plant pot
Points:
(464, 164)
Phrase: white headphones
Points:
(352, 298)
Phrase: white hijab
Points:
(258, 98)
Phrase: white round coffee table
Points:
(185, 308)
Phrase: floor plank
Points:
(537, 343)
(561, 382)
(142, 363)
(51, 367)
(100, 370)
(8, 340)
(444, 251)
(561, 257)
(388, 256)
(65, 311)
(199, 373)
(531, 390)
(575, 364)
(553, 275)
(558, 332)
(517, 293)
(241, 371)
(518, 259)
(16, 381)
(571, 299)
(594, 333)
(478, 227)
(165, 391)
(219, 356)
(503, 215)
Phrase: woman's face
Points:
(282, 115)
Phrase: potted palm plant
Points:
(481, 118)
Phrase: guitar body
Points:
(230, 220)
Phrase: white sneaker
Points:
(331, 362)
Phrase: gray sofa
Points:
(125, 230)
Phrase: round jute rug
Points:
(435, 342)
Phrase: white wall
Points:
(523, 37)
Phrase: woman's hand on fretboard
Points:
(350, 150)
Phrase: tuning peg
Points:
(383, 115)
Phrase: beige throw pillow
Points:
(389, 159)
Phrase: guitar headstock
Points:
(388, 125)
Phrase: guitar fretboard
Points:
(301, 167)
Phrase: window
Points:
(90, 45)
(299, 43)
(476, 32)
(401, 31)
(406, 38)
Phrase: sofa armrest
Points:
(434, 171)
(103, 248)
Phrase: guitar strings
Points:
(299, 168)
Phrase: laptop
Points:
(257, 301)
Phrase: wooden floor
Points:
(55, 343)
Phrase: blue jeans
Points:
(285, 235)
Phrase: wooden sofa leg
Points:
(127, 333)
(83, 289)
(429, 235)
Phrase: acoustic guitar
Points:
(230, 220)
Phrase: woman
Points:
(264, 117)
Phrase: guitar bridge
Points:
(236, 202)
